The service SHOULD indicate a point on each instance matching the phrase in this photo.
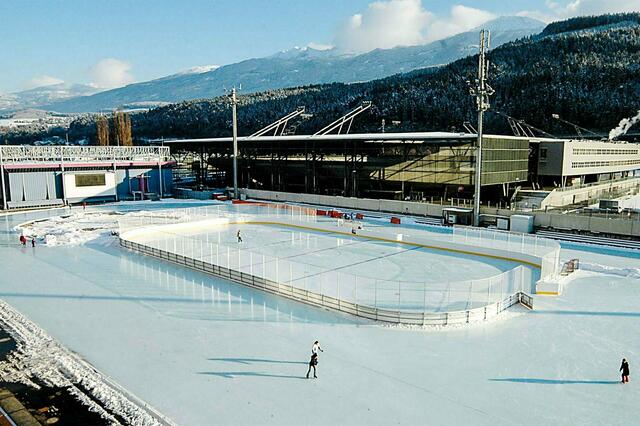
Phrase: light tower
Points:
(481, 91)
(234, 104)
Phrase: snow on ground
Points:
(630, 202)
(38, 355)
(203, 350)
(78, 226)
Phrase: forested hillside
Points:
(588, 77)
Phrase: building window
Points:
(94, 179)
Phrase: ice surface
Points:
(205, 351)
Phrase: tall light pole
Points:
(234, 104)
(481, 91)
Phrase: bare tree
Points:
(102, 131)
(122, 128)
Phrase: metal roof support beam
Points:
(279, 125)
(340, 122)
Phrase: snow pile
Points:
(610, 270)
(630, 202)
(39, 356)
(80, 228)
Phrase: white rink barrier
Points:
(324, 301)
(405, 302)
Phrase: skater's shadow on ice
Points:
(557, 381)
(234, 374)
(248, 361)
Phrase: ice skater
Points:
(312, 364)
(23, 240)
(314, 358)
(33, 242)
(625, 371)
(239, 237)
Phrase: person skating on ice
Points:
(314, 358)
(312, 364)
(625, 371)
(239, 237)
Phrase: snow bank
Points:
(82, 227)
(611, 270)
(40, 356)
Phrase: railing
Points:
(336, 303)
(15, 154)
(594, 184)
(544, 248)
(176, 238)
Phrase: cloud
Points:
(384, 24)
(40, 81)
(319, 46)
(110, 73)
(389, 23)
(556, 10)
(461, 19)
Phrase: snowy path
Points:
(204, 351)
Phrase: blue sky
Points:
(115, 42)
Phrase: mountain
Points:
(591, 79)
(301, 67)
(44, 95)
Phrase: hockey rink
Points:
(206, 351)
(384, 274)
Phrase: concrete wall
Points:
(574, 222)
(389, 206)
(73, 192)
(561, 197)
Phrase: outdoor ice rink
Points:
(206, 351)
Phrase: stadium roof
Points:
(410, 136)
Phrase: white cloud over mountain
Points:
(384, 24)
(110, 73)
(389, 23)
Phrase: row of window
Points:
(580, 164)
(603, 151)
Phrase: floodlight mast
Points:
(481, 90)
(234, 104)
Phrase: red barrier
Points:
(359, 216)
(321, 212)
(395, 220)
(335, 214)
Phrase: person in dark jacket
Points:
(312, 364)
(625, 371)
